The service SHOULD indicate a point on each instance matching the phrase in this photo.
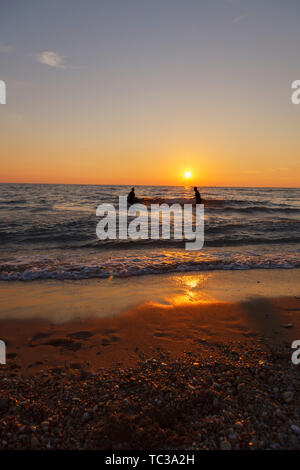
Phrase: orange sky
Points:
(77, 158)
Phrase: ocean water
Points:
(49, 232)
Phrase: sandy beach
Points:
(200, 374)
(34, 344)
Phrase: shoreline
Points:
(62, 301)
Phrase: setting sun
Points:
(187, 174)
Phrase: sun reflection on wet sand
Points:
(191, 289)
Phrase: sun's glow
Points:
(187, 174)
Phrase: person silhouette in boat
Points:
(197, 195)
(131, 197)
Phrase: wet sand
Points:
(146, 330)
(64, 301)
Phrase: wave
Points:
(260, 208)
(38, 268)
(72, 233)
(229, 205)
(13, 201)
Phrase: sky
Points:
(141, 91)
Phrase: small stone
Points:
(294, 440)
(35, 443)
(225, 445)
(4, 403)
(295, 428)
(278, 413)
(216, 403)
(288, 396)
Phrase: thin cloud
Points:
(51, 58)
(281, 168)
(252, 172)
(5, 47)
(239, 18)
(264, 170)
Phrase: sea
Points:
(48, 231)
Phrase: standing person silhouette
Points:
(131, 197)
(197, 195)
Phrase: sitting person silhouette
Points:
(131, 197)
(197, 195)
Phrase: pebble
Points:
(35, 443)
(288, 396)
(295, 428)
(225, 445)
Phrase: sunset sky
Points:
(142, 91)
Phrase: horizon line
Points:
(158, 185)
